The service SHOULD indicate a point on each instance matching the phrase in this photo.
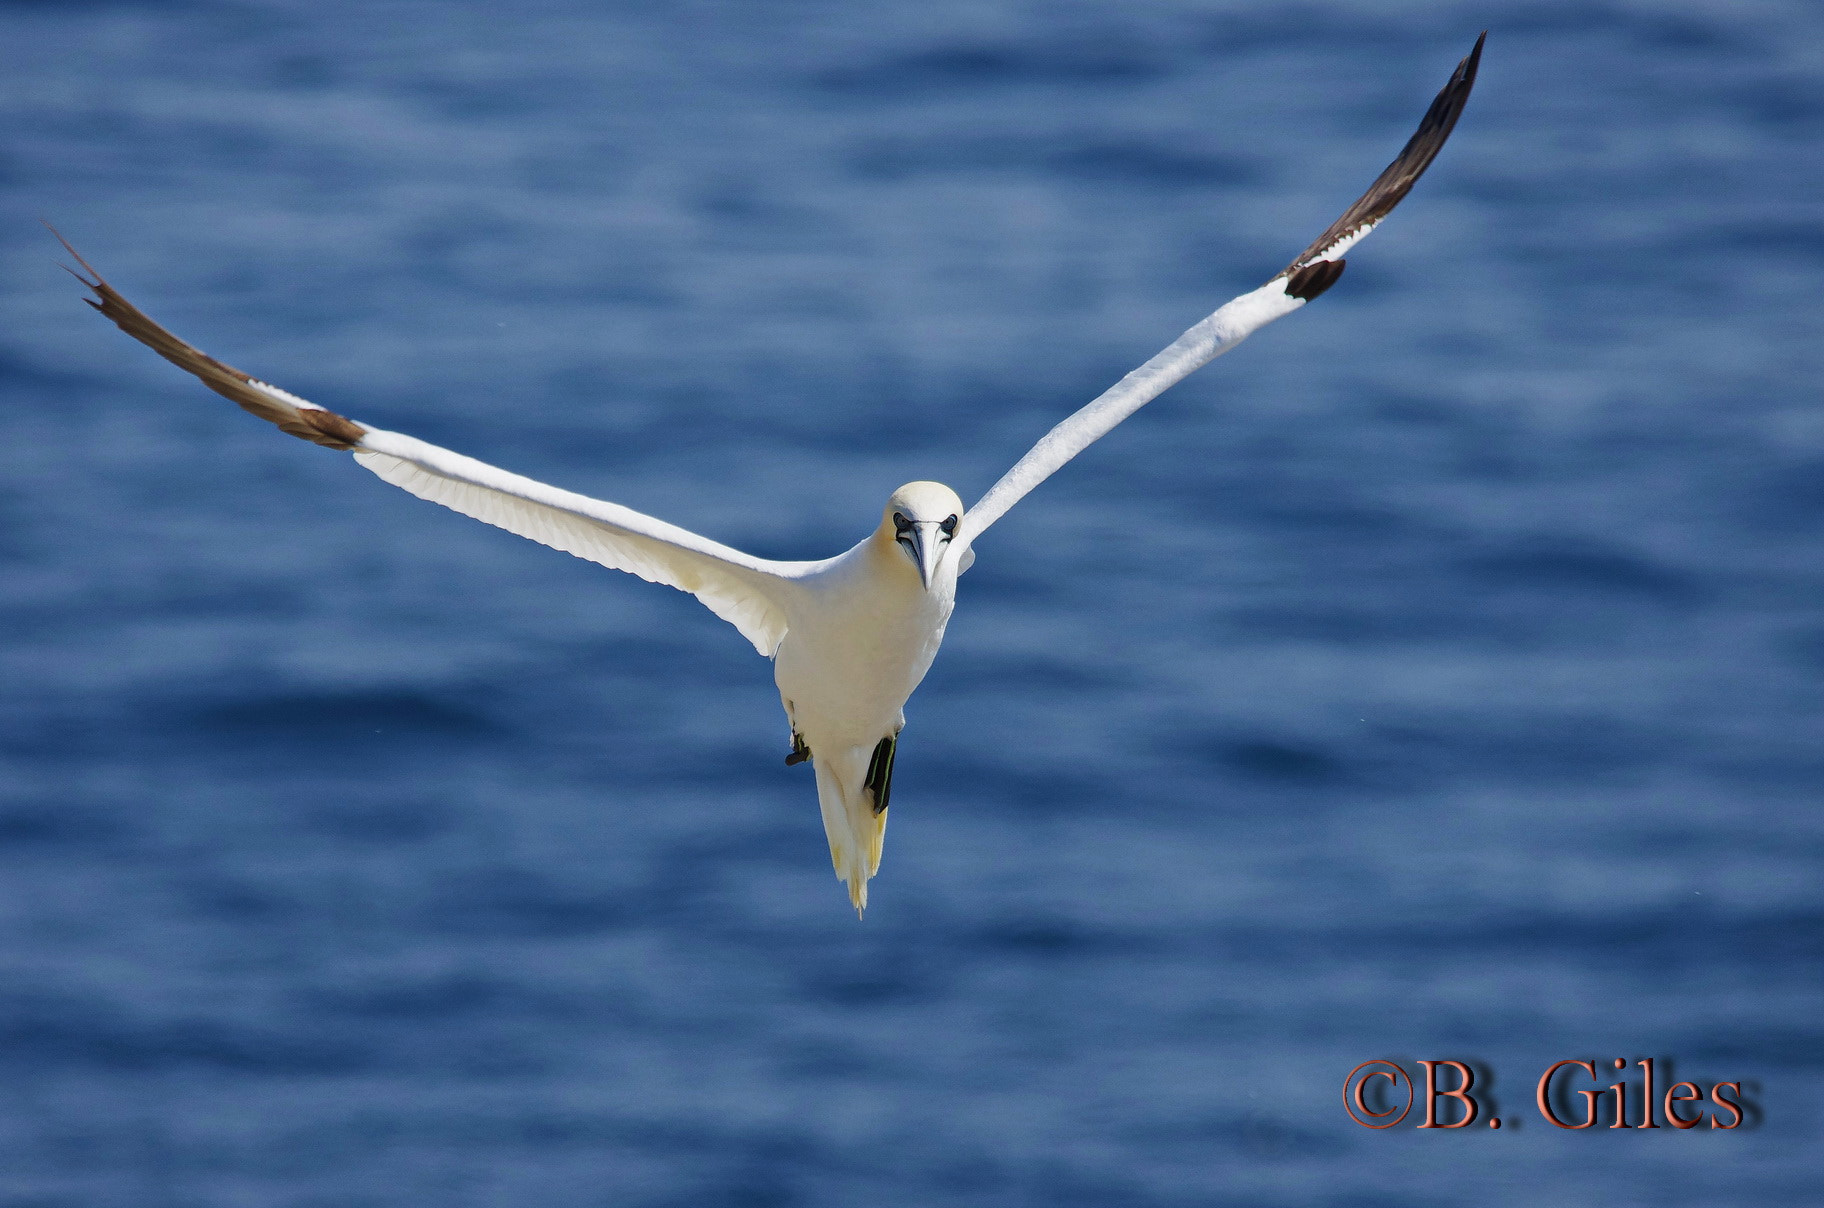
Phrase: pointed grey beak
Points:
(928, 546)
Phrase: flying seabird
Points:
(851, 636)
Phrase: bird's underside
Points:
(851, 635)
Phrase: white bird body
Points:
(862, 632)
(851, 636)
(861, 635)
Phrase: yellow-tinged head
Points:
(921, 518)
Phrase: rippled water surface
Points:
(1440, 675)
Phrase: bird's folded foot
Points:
(800, 752)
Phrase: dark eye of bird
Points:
(949, 527)
(900, 522)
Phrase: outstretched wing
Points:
(1315, 270)
(741, 589)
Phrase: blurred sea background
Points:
(1439, 675)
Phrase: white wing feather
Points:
(1196, 348)
(745, 591)
(1315, 270)
(742, 590)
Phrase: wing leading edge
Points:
(1315, 270)
(741, 589)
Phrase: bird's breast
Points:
(856, 648)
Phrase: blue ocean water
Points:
(1440, 675)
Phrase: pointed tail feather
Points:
(854, 830)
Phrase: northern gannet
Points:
(851, 636)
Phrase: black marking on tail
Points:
(1313, 279)
(880, 772)
(800, 752)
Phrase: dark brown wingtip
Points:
(1392, 185)
(58, 235)
(313, 424)
(1467, 68)
(1313, 279)
(325, 428)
